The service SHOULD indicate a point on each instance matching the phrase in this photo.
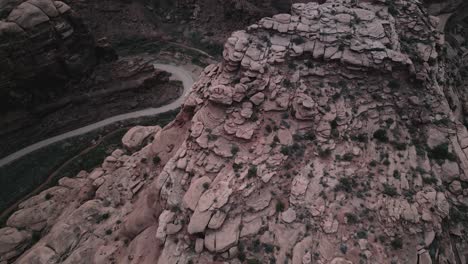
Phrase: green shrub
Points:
(348, 157)
(440, 152)
(48, 196)
(298, 40)
(253, 261)
(430, 180)
(361, 234)
(397, 243)
(285, 150)
(268, 248)
(252, 172)
(324, 153)
(390, 190)
(346, 184)
(360, 138)
(352, 218)
(156, 160)
(234, 149)
(279, 206)
(381, 135)
(236, 167)
(343, 248)
(399, 145)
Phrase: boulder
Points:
(27, 16)
(199, 221)
(195, 191)
(46, 6)
(221, 94)
(12, 242)
(134, 138)
(226, 237)
(39, 255)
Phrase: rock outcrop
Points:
(324, 136)
(43, 44)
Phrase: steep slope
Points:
(54, 77)
(324, 136)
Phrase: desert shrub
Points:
(279, 206)
(390, 190)
(252, 172)
(234, 149)
(343, 248)
(441, 152)
(346, 184)
(352, 218)
(156, 160)
(298, 40)
(397, 243)
(348, 157)
(381, 135)
(48, 196)
(361, 234)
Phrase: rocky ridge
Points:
(325, 136)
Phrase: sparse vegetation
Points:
(156, 160)
(360, 138)
(234, 150)
(252, 172)
(348, 157)
(390, 190)
(285, 150)
(397, 243)
(34, 169)
(361, 234)
(324, 153)
(298, 40)
(48, 196)
(346, 184)
(343, 248)
(381, 135)
(351, 218)
(441, 152)
(279, 206)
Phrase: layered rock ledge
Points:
(324, 136)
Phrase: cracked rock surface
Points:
(324, 136)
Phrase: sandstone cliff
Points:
(327, 135)
(43, 44)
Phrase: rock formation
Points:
(43, 44)
(324, 136)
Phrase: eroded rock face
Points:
(322, 137)
(43, 43)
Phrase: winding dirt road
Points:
(178, 73)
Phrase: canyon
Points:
(328, 132)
